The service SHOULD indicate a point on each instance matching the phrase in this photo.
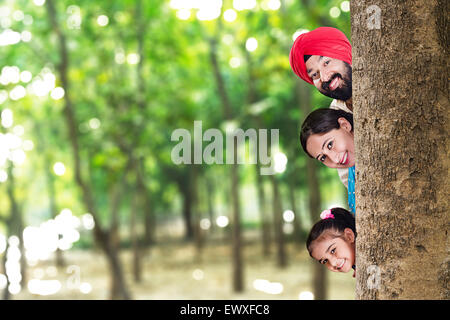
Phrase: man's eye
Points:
(327, 62)
(315, 76)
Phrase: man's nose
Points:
(325, 75)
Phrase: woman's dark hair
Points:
(342, 219)
(306, 57)
(322, 120)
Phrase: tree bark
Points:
(278, 224)
(102, 237)
(401, 103)
(265, 225)
(238, 268)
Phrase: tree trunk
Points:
(278, 224)
(102, 237)
(319, 271)
(297, 224)
(238, 268)
(401, 103)
(265, 225)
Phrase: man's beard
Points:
(341, 93)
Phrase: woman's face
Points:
(335, 148)
(336, 253)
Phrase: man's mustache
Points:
(325, 85)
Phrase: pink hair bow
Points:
(326, 214)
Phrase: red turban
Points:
(323, 41)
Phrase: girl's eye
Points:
(330, 145)
(324, 261)
(322, 158)
(333, 251)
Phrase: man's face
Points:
(332, 77)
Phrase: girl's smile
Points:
(337, 254)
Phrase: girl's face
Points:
(337, 254)
(335, 148)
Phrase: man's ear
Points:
(345, 124)
(349, 235)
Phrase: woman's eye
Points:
(333, 251)
(330, 145)
(322, 158)
(324, 261)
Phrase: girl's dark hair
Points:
(342, 219)
(306, 57)
(322, 120)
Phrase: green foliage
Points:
(144, 74)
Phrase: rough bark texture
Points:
(401, 103)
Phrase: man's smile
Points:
(334, 84)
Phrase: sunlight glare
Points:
(59, 168)
(88, 221)
(102, 20)
(39, 2)
(298, 32)
(222, 221)
(240, 5)
(288, 215)
(251, 44)
(57, 93)
(26, 76)
(235, 62)
(26, 36)
(3, 281)
(133, 58)
(205, 224)
(3, 178)
(183, 14)
(345, 6)
(198, 274)
(85, 287)
(267, 286)
(335, 12)
(306, 295)
(280, 162)
(18, 130)
(9, 37)
(7, 118)
(230, 15)
(44, 287)
(2, 242)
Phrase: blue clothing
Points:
(351, 189)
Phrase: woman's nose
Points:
(334, 157)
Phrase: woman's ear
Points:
(345, 124)
(349, 235)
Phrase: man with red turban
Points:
(323, 57)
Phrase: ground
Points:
(171, 270)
